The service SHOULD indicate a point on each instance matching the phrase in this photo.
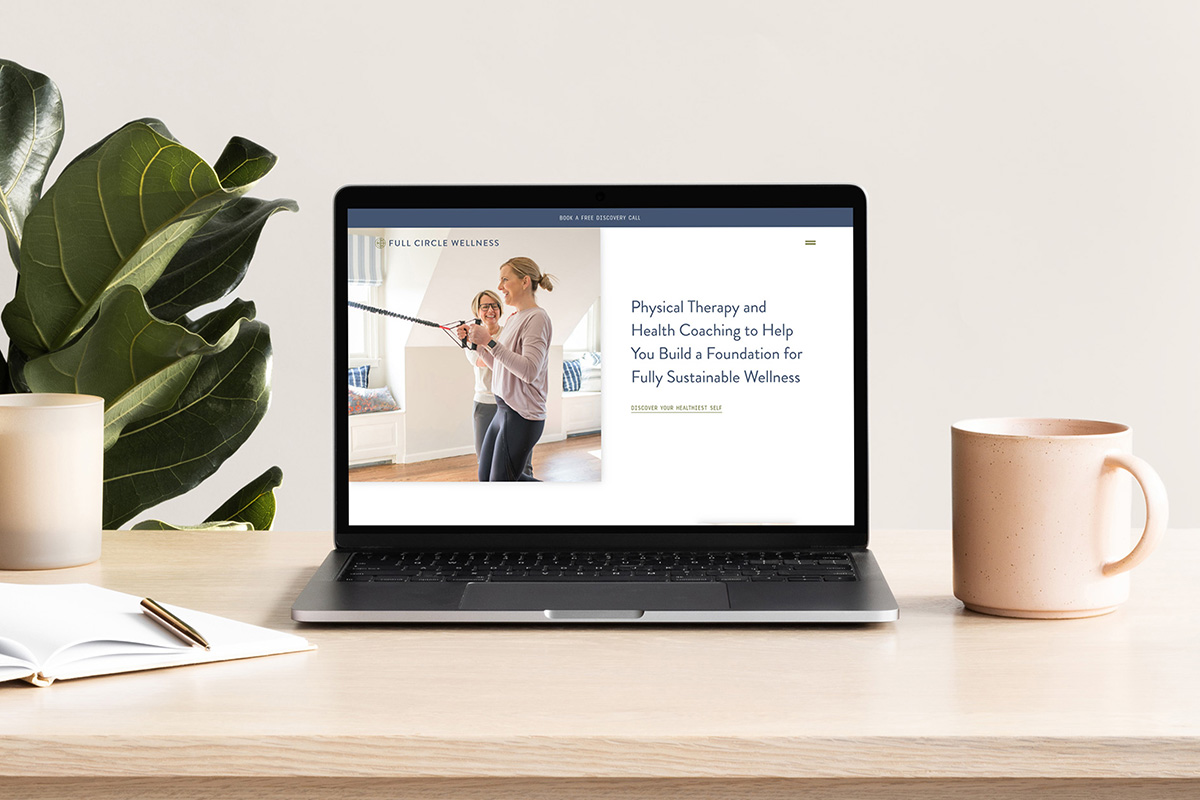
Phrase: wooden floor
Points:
(572, 460)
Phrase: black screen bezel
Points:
(601, 537)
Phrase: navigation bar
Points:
(600, 218)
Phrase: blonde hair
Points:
(527, 267)
(479, 299)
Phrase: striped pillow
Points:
(359, 376)
(571, 376)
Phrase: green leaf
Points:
(156, 125)
(215, 259)
(251, 508)
(217, 322)
(237, 151)
(16, 369)
(137, 363)
(254, 503)
(170, 453)
(114, 218)
(243, 162)
(31, 130)
(159, 525)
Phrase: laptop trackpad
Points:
(594, 597)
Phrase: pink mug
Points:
(1042, 516)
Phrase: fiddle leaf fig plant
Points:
(32, 121)
(113, 261)
(251, 508)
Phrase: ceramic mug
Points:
(51, 480)
(1042, 516)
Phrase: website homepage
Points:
(652, 367)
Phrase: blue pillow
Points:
(359, 376)
(571, 376)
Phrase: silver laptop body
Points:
(702, 448)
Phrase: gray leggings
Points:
(482, 417)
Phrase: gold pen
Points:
(173, 623)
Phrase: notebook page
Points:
(50, 620)
(77, 630)
(15, 660)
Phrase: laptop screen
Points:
(654, 367)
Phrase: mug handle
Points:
(1156, 510)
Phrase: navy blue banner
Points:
(607, 218)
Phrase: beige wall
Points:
(1031, 167)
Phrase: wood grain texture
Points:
(622, 789)
(943, 695)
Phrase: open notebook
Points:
(50, 633)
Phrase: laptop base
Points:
(865, 600)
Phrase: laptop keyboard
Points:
(631, 566)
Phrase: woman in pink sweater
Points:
(519, 360)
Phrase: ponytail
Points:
(527, 267)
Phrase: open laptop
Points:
(703, 450)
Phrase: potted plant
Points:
(135, 234)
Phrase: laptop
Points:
(681, 372)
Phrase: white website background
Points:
(674, 452)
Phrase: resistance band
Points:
(447, 326)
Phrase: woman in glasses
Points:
(519, 358)
(486, 307)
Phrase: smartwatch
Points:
(491, 345)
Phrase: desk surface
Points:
(942, 694)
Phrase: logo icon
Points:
(380, 243)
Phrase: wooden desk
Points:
(936, 705)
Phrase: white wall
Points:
(437, 412)
(1032, 171)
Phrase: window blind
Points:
(365, 264)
